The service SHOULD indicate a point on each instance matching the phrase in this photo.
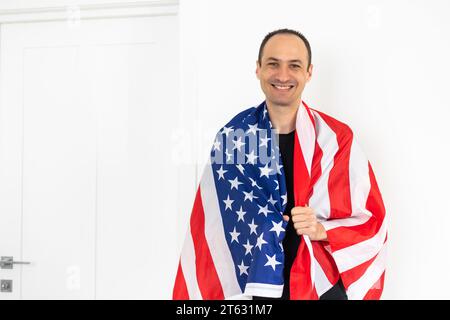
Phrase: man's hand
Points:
(305, 222)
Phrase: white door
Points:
(89, 194)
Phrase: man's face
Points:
(283, 72)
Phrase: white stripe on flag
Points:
(347, 222)
(359, 288)
(359, 180)
(188, 267)
(326, 139)
(264, 290)
(361, 252)
(215, 236)
(311, 258)
(359, 190)
(321, 282)
(306, 135)
(240, 297)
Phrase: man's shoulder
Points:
(334, 124)
(244, 118)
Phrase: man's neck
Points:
(283, 118)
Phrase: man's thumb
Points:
(286, 218)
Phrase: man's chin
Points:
(281, 103)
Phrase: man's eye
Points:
(273, 64)
(295, 66)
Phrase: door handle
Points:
(8, 262)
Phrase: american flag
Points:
(233, 248)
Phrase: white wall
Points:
(380, 66)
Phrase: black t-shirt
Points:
(291, 240)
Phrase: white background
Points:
(380, 66)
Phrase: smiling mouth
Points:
(282, 87)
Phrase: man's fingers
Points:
(301, 210)
(303, 217)
(286, 218)
(302, 225)
(308, 231)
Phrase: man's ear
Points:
(309, 73)
(258, 67)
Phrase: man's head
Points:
(284, 67)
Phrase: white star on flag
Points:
(242, 268)
(235, 183)
(228, 203)
(241, 214)
(249, 196)
(277, 227)
(284, 197)
(264, 142)
(217, 145)
(248, 248)
(260, 241)
(251, 157)
(253, 128)
(234, 235)
(227, 130)
(265, 171)
(220, 172)
(279, 166)
(238, 144)
(271, 261)
(264, 210)
(253, 227)
(272, 201)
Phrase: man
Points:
(307, 226)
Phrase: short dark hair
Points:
(284, 31)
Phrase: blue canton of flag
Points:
(251, 191)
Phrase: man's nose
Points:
(283, 74)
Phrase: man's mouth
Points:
(282, 87)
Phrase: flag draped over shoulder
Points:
(233, 247)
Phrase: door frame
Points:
(75, 13)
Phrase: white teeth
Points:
(282, 87)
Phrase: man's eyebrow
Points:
(291, 61)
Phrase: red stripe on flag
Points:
(374, 201)
(352, 275)
(339, 177)
(208, 280)
(377, 289)
(316, 170)
(326, 261)
(180, 291)
(302, 180)
(301, 286)
(342, 237)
